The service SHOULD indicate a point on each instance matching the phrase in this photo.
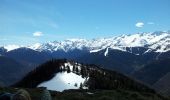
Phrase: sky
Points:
(26, 22)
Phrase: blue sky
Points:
(30, 21)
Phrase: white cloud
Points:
(150, 23)
(37, 34)
(139, 24)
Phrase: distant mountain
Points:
(63, 74)
(136, 50)
(28, 57)
(157, 41)
(16, 63)
(10, 71)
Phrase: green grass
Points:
(96, 94)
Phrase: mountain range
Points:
(156, 41)
(134, 55)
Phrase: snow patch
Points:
(63, 81)
(106, 52)
(11, 47)
(149, 50)
(92, 51)
(35, 46)
(69, 65)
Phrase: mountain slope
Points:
(162, 85)
(115, 60)
(152, 72)
(95, 77)
(10, 71)
(28, 57)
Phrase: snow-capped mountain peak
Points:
(158, 41)
(149, 40)
(35, 46)
(11, 47)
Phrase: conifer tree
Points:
(68, 69)
(81, 86)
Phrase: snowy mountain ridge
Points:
(156, 41)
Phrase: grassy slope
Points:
(97, 94)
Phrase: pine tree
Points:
(75, 84)
(68, 69)
(81, 86)
(74, 67)
(77, 70)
